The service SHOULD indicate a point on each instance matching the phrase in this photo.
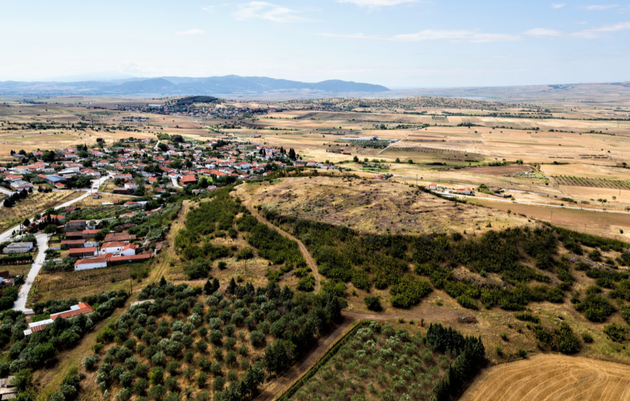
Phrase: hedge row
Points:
(291, 391)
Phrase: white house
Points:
(129, 250)
(433, 187)
(131, 185)
(112, 247)
(98, 262)
(18, 247)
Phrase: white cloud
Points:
(479, 37)
(542, 32)
(207, 8)
(597, 32)
(264, 10)
(377, 3)
(559, 5)
(436, 34)
(600, 7)
(190, 32)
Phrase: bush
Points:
(89, 362)
(568, 342)
(595, 308)
(587, 338)
(616, 332)
(373, 303)
(527, 317)
(409, 292)
(467, 302)
(306, 284)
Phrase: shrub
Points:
(568, 342)
(306, 284)
(616, 332)
(467, 302)
(373, 303)
(587, 338)
(409, 292)
(89, 362)
(595, 308)
(527, 317)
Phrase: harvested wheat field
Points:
(552, 377)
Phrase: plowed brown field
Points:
(552, 377)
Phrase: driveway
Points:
(42, 245)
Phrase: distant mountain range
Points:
(174, 86)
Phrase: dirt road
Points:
(305, 253)
(274, 389)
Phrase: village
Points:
(129, 181)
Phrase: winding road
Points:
(305, 253)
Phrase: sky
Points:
(396, 43)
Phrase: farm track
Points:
(273, 390)
(305, 253)
(548, 377)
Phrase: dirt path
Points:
(278, 386)
(548, 377)
(305, 253)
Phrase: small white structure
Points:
(128, 250)
(18, 247)
(112, 247)
(131, 185)
(98, 262)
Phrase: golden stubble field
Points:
(552, 377)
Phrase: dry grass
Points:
(552, 377)
(64, 285)
(35, 203)
(373, 206)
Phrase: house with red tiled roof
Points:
(188, 180)
(81, 308)
(82, 253)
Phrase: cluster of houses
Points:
(116, 249)
(220, 111)
(54, 174)
(129, 164)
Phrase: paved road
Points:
(42, 241)
(20, 304)
(175, 184)
(6, 191)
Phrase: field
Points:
(35, 203)
(552, 377)
(372, 206)
(380, 362)
(425, 258)
(63, 285)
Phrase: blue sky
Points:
(397, 43)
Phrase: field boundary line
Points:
(326, 356)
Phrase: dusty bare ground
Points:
(499, 170)
(552, 377)
(373, 206)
